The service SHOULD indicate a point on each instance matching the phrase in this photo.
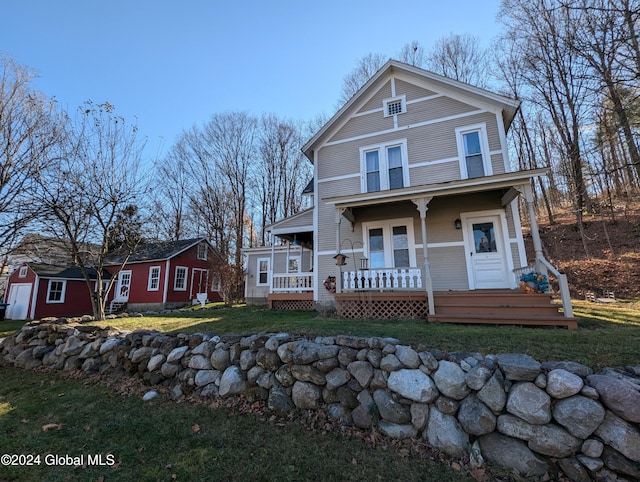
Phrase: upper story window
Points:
(202, 251)
(395, 105)
(473, 151)
(23, 272)
(384, 166)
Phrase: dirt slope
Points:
(613, 262)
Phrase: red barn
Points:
(164, 275)
(37, 290)
(159, 275)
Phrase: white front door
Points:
(487, 258)
(123, 286)
(19, 295)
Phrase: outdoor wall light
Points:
(458, 224)
(341, 259)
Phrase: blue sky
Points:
(168, 65)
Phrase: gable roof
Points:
(157, 251)
(436, 82)
(64, 272)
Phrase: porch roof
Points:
(464, 186)
(294, 226)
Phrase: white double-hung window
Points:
(384, 166)
(473, 151)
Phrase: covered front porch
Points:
(484, 254)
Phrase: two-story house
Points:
(415, 200)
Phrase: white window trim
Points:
(175, 278)
(387, 230)
(299, 258)
(62, 295)
(205, 248)
(384, 166)
(151, 270)
(258, 261)
(391, 100)
(23, 272)
(484, 146)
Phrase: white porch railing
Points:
(383, 279)
(291, 282)
(563, 284)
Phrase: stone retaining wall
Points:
(535, 418)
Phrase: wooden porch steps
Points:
(503, 307)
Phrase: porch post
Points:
(338, 220)
(271, 263)
(422, 204)
(535, 234)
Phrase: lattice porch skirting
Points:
(292, 301)
(375, 305)
(296, 305)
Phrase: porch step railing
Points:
(291, 282)
(383, 279)
(543, 266)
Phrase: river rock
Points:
(562, 383)
(530, 403)
(451, 380)
(579, 415)
(445, 433)
(513, 454)
(618, 395)
(519, 367)
(413, 384)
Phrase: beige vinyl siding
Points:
(364, 124)
(376, 101)
(296, 222)
(435, 173)
(433, 142)
(432, 109)
(515, 254)
(448, 268)
(339, 160)
(411, 91)
(497, 164)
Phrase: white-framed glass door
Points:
(390, 244)
(487, 257)
(124, 286)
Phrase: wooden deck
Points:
(499, 307)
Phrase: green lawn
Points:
(608, 334)
(165, 440)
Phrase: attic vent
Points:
(395, 105)
(394, 108)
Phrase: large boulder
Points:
(414, 385)
(445, 433)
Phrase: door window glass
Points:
(400, 247)
(376, 248)
(484, 238)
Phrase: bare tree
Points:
(542, 35)
(459, 57)
(30, 128)
(173, 187)
(89, 196)
(282, 171)
(413, 54)
(362, 72)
